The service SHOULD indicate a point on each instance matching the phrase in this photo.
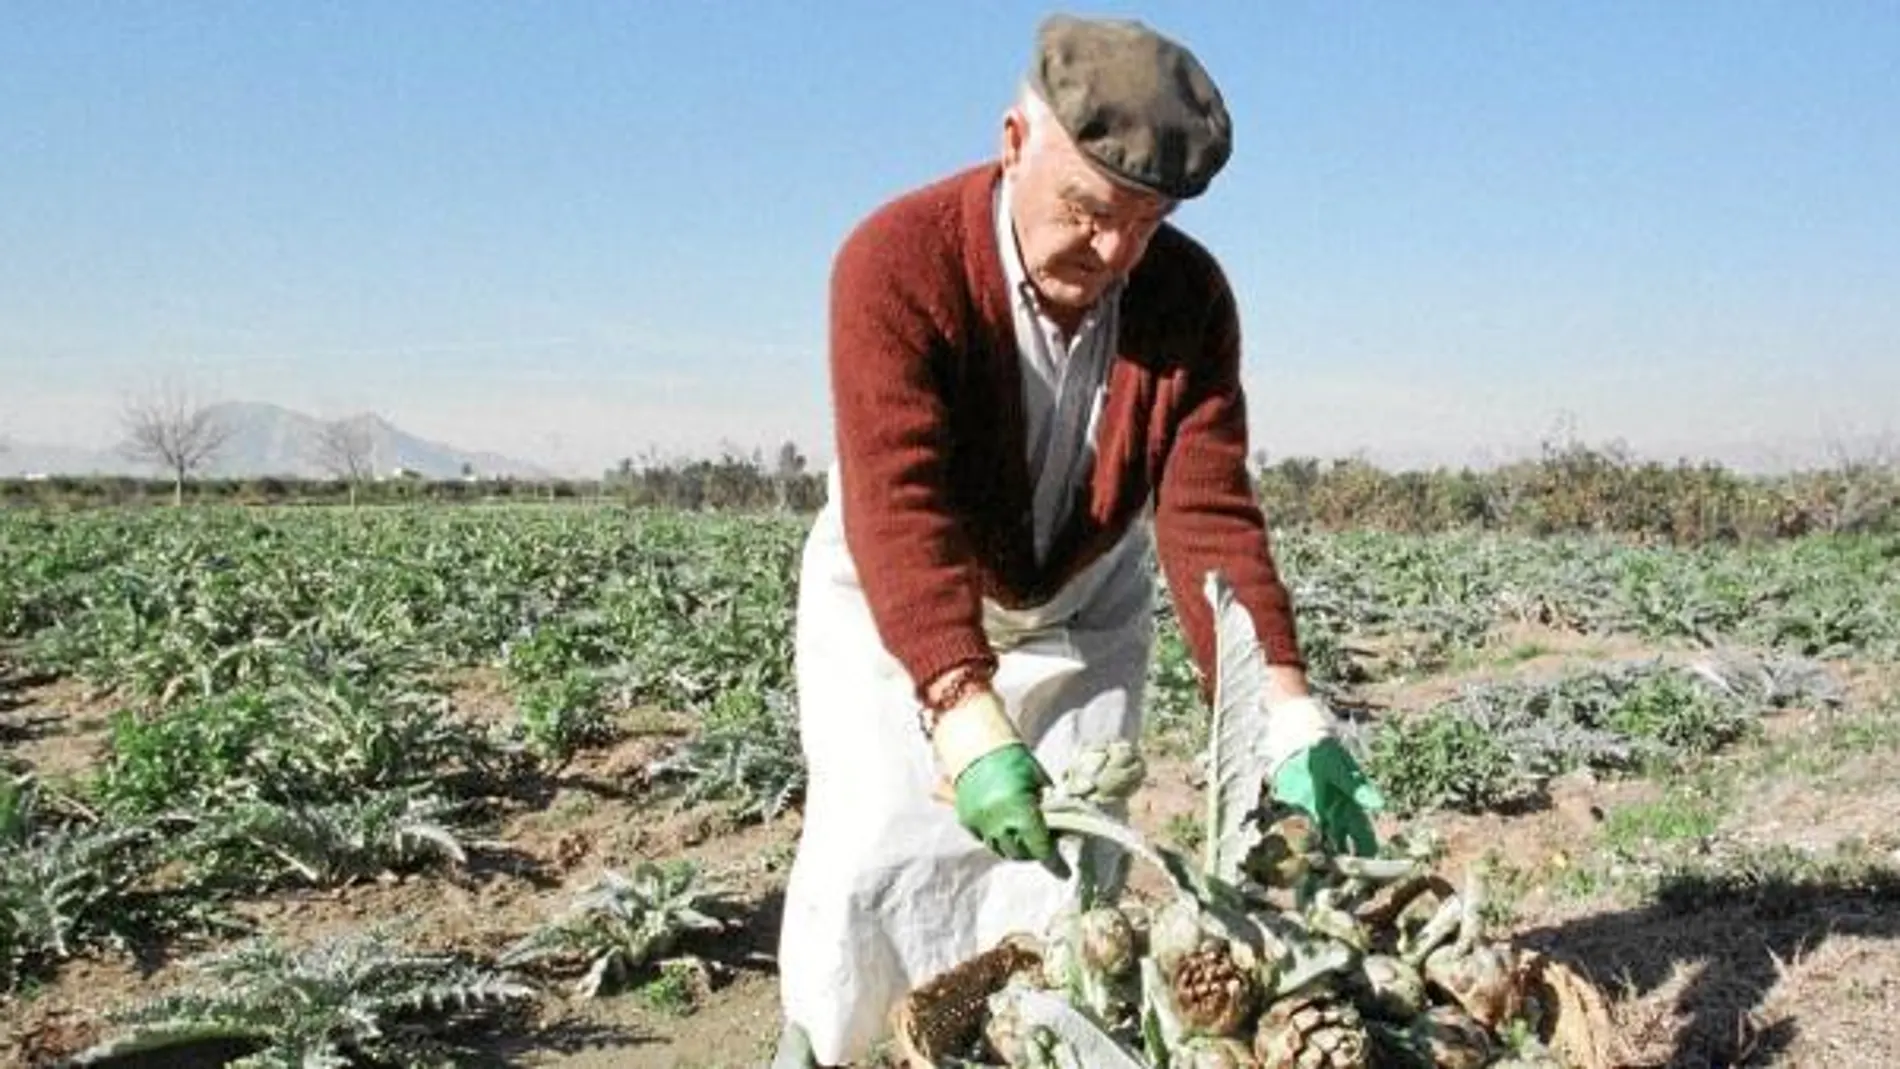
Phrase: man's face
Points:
(1079, 230)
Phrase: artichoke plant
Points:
(1272, 951)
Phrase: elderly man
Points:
(1035, 378)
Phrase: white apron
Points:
(887, 889)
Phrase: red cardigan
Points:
(927, 398)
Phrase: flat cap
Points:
(1135, 102)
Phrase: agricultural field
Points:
(520, 785)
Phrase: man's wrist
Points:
(970, 731)
(949, 690)
(1286, 682)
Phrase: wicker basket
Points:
(1579, 1027)
(943, 1016)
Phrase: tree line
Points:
(1572, 487)
(1577, 489)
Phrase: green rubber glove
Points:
(999, 801)
(1328, 784)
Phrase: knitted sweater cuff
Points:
(929, 655)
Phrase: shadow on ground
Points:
(497, 1052)
(564, 1037)
(1736, 932)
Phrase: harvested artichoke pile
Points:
(1272, 951)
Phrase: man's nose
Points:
(1115, 247)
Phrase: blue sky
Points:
(575, 231)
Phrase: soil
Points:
(60, 727)
(1721, 975)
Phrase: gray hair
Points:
(1040, 119)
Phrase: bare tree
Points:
(344, 448)
(791, 465)
(171, 431)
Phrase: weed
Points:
(675, 991)
(1675, 818)
(1505, 885)
(1185, 832)
(564, 714)
(1523, 651)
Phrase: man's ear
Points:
(1015, 137)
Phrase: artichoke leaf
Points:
(163, 1036)
(1314, 961)
(1377, 870)
(1085, 1039)
(1083, 818)
(1304, 955)
(1237, 758)
(1442, 927)
(1161, 1029)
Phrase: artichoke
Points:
(1104, 775)
(1182, 928)
(1214, 994)
(1484, 981)
(1286, 854)
(1003, 1029)
(1108, 942)
(1381, 911)
(1324, 916)
(1453, 1039)
(1062, 952)
(1530, 1059)
(1178, 931)
(1090, 957)
(1312, 1030)
(1391, 988)
(1212, 1052)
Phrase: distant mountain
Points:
(269, 439)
